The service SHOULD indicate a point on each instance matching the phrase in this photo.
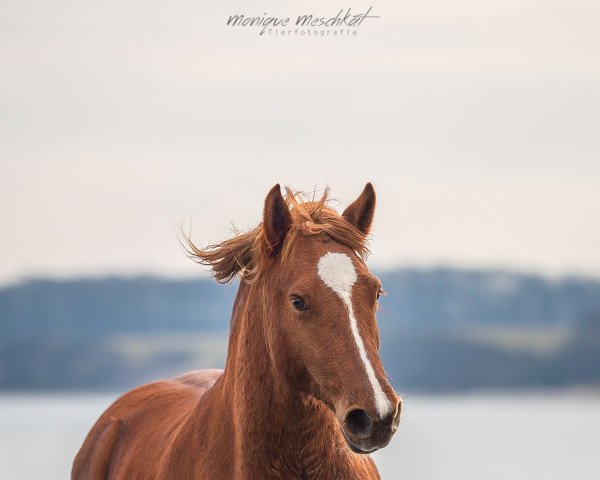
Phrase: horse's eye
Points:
(298, 303)
(380, 292)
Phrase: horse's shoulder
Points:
(95, 456)
(178, 392)
(156, 408)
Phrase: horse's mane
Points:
(246, 253)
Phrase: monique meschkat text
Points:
(344, 18)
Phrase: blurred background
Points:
(478, 123)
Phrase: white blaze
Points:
(338, 273)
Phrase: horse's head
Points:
(317, 302)
(322, 302)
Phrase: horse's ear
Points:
(361, 211)
(277, 220)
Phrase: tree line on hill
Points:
(439, 330)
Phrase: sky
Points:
(477, 122)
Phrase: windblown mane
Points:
(246, 253)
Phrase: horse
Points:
(303, 394)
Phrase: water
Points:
(441, 438)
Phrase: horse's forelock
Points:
(245, 254)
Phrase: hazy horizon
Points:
(203, 272)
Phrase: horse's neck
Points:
(275, 428)
(249, 370)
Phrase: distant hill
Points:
(442, 329)
(447, 298)
(74, 308)
(437, 298)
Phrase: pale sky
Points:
(477, 122)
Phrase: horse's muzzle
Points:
(364, 434)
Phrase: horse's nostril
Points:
(359, 423)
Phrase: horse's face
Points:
(325, 310)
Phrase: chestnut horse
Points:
(303, 394)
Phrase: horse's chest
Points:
(322, 465)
